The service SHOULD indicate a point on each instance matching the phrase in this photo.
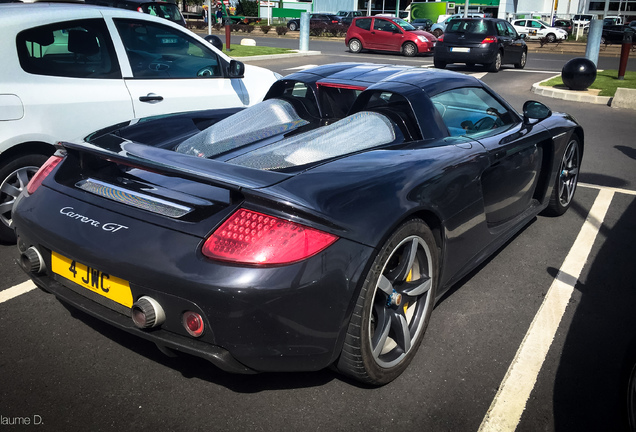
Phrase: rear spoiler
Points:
(217, 173)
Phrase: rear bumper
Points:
(482, 54)
(287, 318)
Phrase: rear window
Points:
(364, 23)
(168, 11)
(469, 26)
(75, 49)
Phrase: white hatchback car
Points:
(71, 69)
(537, 29)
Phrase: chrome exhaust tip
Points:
(147, 313)
(31, 261)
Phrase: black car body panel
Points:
(478, 40)
(474, 190)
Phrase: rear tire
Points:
(522, 61)
(495, 65)
(439, 64)
(293, 26)
(355, 46)
(393, 308)
(567, 178)
(14, 177)
(437, 32)
(409, 49)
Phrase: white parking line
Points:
(17, 290)
(615, 190)
(510, 401)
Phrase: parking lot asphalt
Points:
(72, 372)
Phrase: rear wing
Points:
(217, 173)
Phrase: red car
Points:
(388, 34)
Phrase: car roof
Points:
(18, 16)
(379, 75)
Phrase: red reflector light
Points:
(42, 173)
(489, 39)
(139, 9)
(249, 237)
(193, 323)
(440, 38)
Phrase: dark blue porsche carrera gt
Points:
(316, 228)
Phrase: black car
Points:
(346, 17)
(316, 228)
(491, 42)
(564, 24)
(169, 11)
(422, 24)
(614, 34)
(294, 24)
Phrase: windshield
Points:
(405, 25)
(544, 23)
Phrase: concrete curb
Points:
(570, 95)
(624, 98)
(296, 53)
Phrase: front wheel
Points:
(355, 46)
(437, 33)
(522, 61)
(567, 178)
(393, 308)
(409, 49)
(14, 177)
(551, 37)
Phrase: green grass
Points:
(606, 81)
(247, 51)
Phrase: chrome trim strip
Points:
(134, 199)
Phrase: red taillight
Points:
(42, 173)
(193, 323)
(440, 38)
(139, 9)
(249, 237)
(490, 39)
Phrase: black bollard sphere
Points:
(579, 73)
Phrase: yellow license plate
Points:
(92, 279)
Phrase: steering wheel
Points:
(207, 71)
(484, 124)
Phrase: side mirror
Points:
(236, 69)
(533, 110)
(215, 41)
(522, 36)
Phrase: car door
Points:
(170, 71)
(69, 81)
(387, 35)
(516, 45)
(509, 180)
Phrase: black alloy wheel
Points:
(393, 308)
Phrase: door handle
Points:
(151, 97)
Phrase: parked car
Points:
(294, 24)
(612, 20)
(346, 17)
(614, 34)
(632, 24)
(71, 69)
(488, 41)
(537, 29)
(440, 27)
(422, 24)
(388, 34)
(262, 243)
(169, 11)
(564, 24)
